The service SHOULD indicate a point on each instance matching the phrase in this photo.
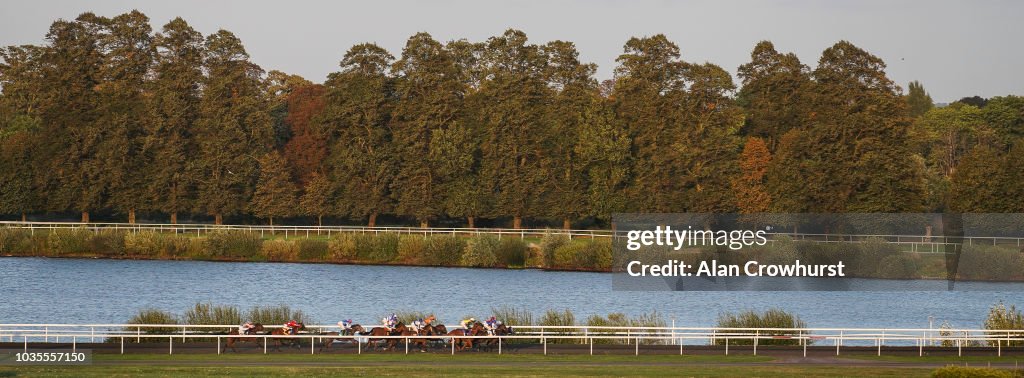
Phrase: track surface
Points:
(779, 356)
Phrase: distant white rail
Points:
(914, 243)
(920, 337)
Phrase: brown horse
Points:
(464, 343)
(256, 329)
(283, 331)
(355, 330)
(389, 344)
(420, 342)
(490, 343)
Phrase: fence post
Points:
(170, 345)
(757, 336)
(499, 344)
(122, 346)
(544, 341)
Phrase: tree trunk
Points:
(320, 220)
(218, 219)
(373, 220)
(131, 216)
(271, 221)
(472, 221)
(85, 217)
(566, 224)
(24, 218)
(517, 222)
(174, 218)
(424, 224)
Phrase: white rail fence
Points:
(911, 243)
(970, 339)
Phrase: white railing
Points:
(909, 243)
(584, 335)
(304, 231)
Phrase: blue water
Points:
(41, 290)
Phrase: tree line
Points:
(111, 116)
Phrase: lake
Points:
(43, 290)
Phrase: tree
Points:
(169, 147)
(275, 194)
(604, 154)
(1005, 116)
(317, 196)
(71, 62)
(979, 184)
(918, 101)
(356, 119)
(429, 96)
(233, 127)
(307, 148)
(646, 102)
(512, 108)
(574, 95)
(128, 53)
(855, 150)
(775, 93)
(20, 77)
(751, 196)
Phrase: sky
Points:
(955, 48)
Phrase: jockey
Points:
(417, 324)
(468, 323)
(292, 327)
(345, 325)
(390, 321)
(246, 328)
(490, 325)
(429, 319)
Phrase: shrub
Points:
(549, 243)
(68, 241)
(972, 372)
(513, 316)
(411, 249)
(312, 250)
(153, 244)
(151, 316)
(512, 252)
(280, 250)
(108, 242)
(587, 254)
(15, 241)
(273, 315)
(989, 262)
(480, 251)
(342, 247)
(558, 318)
(209, 314)
(898, 266)
(1002, 318)
(773, 318)
(376, 247)
(616, 319)
(233, 244)
(444, 250)
(408, 316)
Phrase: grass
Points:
(464, 371)
(444, 365)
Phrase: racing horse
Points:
(464, 343)
(489, 343)
(285, 331)
(389, 344)
(256, 329)
(420, 342)
(354, 330)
